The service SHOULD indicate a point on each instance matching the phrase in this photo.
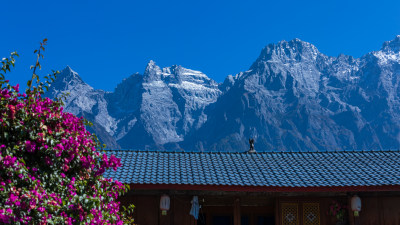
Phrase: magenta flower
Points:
(48, 146)
(13, 198)
(16, 88)
(48, 160)
(30, 146)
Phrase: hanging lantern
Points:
(356, 205)
(164, 204)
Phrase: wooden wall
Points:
(147, 210)
(377, 209)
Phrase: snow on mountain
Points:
(296, 98)
(83, 100)
(293, 97)
(171, 104)
(161, 106)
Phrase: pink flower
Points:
(9, 161)
(48, 160)
(65, 168)
(16, 88)
(45, 120)
(12, 111)
(13, 198)
(32, 204)
(4, 218)
(30, 146)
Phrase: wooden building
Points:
(274, 188)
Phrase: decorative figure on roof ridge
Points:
(251, 143)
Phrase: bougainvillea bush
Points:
(50, 166)
(337, 210)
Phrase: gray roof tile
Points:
(276, 169)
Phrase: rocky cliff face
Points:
(292, 98)
(152, 110)
(83, 100)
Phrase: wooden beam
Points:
(381, 211)
(277, 219)
(236, 212)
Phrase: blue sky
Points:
(106, 41)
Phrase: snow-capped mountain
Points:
(152, 110)
(292, 98)
(83, 100)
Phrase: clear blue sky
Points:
(106, 41)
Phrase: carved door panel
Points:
(290, 213)
(311, 214)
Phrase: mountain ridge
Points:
(293, 97)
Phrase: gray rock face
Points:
(292, 98)
(83, 100)
(151, 110)
(296, 98)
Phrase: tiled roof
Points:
(277, 169)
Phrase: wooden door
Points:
(300, 213)
(290, 213)
(311, 214)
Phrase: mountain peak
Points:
(292, 98)
(68, 69)
(296, 40)
(68, 80)
(152, 71)
(68, 74)
(293, 42)
(295, 49)
(298, 45)
(151, 63)
(393, 45)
